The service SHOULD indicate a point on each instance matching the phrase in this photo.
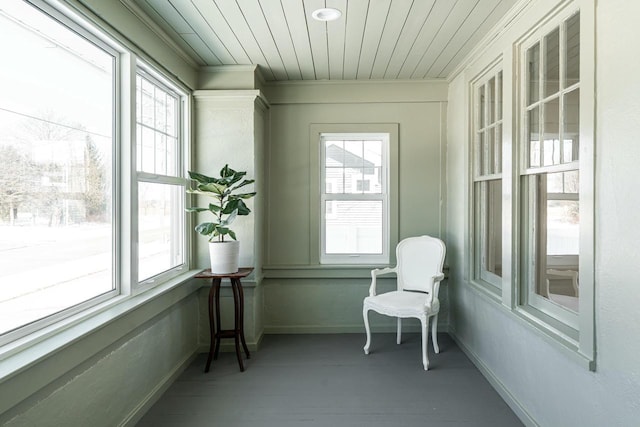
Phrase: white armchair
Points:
(419, 272)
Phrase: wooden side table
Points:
(238, 302)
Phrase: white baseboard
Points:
(502, 390)
(141, 409)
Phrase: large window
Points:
(487, 180)
(161, 188)
(71, 212)
(550, 176)
(354, 198)
(57, 141)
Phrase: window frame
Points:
(574, 332)
(482, 175)
(95, 36)
(147, 72)
(315, 185)
(124, 206)
(383, 196)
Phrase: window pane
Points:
(480, 153)
(56, 145)
(551, 134)
(372, 153)
(351, 178)
(157, 116)
(353, 227)
(334, 153)
(555, 234)
(148, 109)
(353, 154)
(491, 105)
(160, 228)
(334, 181)
(552, 63)
(489, 226)
(497, 152)
(533, 70)
(572, 48)
(148, 150)
(490, 146)
(499, 96)
(571, 125)
(533, 136)
(481, 108)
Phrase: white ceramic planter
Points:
(224, 256)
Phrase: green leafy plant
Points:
(227, 202)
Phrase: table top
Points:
(242, 272)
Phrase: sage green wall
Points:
(546, 386)
(300, 295)
(231, 127)
(111, 375)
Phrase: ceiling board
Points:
(373, 39)
(355, 18)
(396, 20)
(318, 38)
(335, 41)
(208, 12)
(293, 10)
(279, 28)
(465, 39)
(374, 27)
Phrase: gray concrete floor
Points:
(327, 381)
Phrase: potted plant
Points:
(227, 204)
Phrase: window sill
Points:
(556, 338)
(93, 324)
(560, 340)
(487, 290)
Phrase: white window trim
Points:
(325, 197)
(478, 276)
(581, 341)
(147, 72)
(315, 132)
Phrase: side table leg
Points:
(213, 294)
(237, 322)
(218, 321)
(244, 343)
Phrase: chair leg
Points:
(399, 332)
(434, 334)
(425, 360)
(365, 315)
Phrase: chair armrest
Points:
(435, 288)
(379, 272)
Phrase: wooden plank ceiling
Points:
(373, 39)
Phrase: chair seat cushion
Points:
(402, 304)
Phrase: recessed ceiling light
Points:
(326, 14)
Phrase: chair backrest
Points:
(419, 258)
